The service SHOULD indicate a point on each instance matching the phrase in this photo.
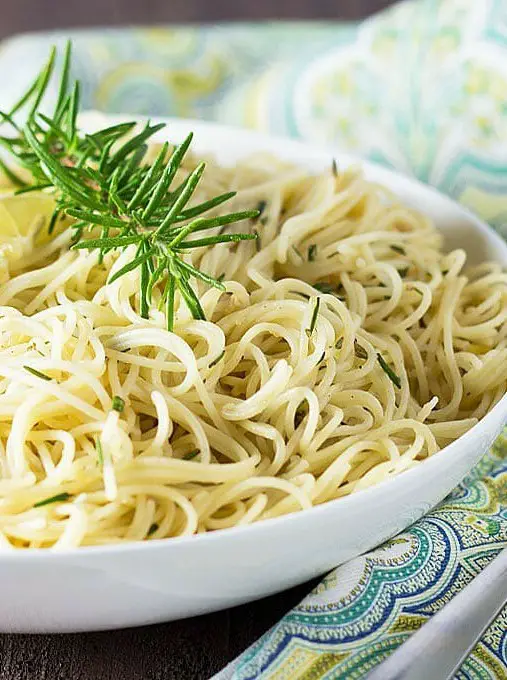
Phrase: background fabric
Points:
(366, 608)
(421, 88)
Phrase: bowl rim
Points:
(296, 146)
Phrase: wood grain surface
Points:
(29, 15)
(193, 649)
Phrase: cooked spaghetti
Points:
(347, 348)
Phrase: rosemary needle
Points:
(217, 359)
(313, 321)
(191, 454)
(398, 249)
(37, 374)
(54, 499)
(395, 379)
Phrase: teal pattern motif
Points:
(364, 609)
(421, 88)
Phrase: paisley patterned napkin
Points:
(421, 88)
(366, 608)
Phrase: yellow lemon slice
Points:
(21, 214)
(8, 227)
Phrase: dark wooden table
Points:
(193, 649)
(27, 15)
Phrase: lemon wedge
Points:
(21, 215)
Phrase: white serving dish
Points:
(109, 587)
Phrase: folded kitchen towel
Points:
(421, 88)
(365, 609)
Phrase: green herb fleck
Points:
(313, 321)
(395, 379)
(322, 358)
(215, 361)
(221, 277)
(36, 373)
(117, 404)
(312, 252)
(324, 287)
(152, 529)
(334, 168)
(339, 343)
(403, 272)
(100, 452)
(192, 454)
(54, 499)
(398, 249)
(297, 251)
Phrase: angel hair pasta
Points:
(346, 348)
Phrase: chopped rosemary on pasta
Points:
(162, 375)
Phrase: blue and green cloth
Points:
(421, 88)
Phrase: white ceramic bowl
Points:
(109, 587)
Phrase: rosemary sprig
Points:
(103, 182)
